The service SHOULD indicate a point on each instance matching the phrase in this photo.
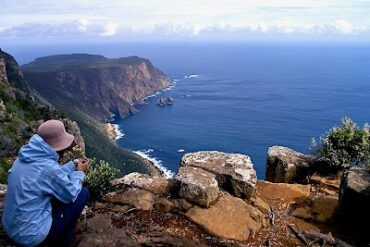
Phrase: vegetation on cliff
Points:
(20, 112)
(99, 177)
(345, 146)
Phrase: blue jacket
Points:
(33, 180)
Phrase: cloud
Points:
(110, 29)
(193, 19)
(344, 26)
(85, 28)
(82, 27)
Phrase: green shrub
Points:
(99, 177)
(345, 146)
(5, 165)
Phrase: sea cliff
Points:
(95, 85)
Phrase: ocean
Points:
(238, 97)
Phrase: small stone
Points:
(120, 208)
(183, 204)
(82, 221)
(261, 205)
(329, 191)
(164, 205)
(100, 205)
(302, 213)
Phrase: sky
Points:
(212, 20)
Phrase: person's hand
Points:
(83, 164)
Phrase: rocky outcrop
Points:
(11, 73)
(164, 101)
(106, 85)
(152, 211)
(354, 200)
(284, 165)
(233, 172)
(230, 218)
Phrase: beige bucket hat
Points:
(54, 133)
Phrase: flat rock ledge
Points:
(155, 184)
(230, 218)
(285, 165)
(234, 173)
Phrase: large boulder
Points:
(197, 185)
(284, 165)
(354, 198)
(229, 217)
(155, 184)
(233, 172)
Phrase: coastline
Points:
(162, 91)
(113, 131)
(155, 166)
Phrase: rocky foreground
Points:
(216, 200)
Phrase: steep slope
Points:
(20, 111)
(94, 84)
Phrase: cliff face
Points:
(10, 72)
(93, 84)
(21, 112)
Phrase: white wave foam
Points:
(119, 132)
(191, 76)
(181, 150)
(164, 90)
(158, 163)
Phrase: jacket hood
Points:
(37, 149)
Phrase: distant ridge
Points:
(67, 61)
(94, 84)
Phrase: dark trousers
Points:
(65, 217)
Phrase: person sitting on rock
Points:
(44, 199)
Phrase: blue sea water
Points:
(246, 97)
